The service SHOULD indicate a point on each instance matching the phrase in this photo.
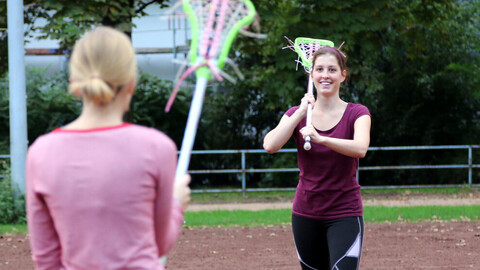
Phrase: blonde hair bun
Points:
(102, 62)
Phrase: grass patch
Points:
(282, 216)
(236, 197)
(286, 196)
(227, 218)
(371, 214)
(13, 229)
(422, 213)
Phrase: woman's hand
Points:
(310, 131)
(181, 190)
(308, 98)
(356, 148)
(279, 136)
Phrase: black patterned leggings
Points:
(334, 244)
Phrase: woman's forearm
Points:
(279, 136)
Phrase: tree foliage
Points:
(414, 63)
(432, 65)
(30, 14)
(68, 20)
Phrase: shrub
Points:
(12, 207)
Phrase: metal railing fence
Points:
(243, 170)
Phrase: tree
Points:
(431, 94)
(414, 63)
(272, 85)
(29, 17)
(431, 86)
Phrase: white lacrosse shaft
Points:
(189, 134)
(307, 146)
(191, 128)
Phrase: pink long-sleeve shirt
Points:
(102, 198)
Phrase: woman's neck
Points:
(95, 116)
(329, 103)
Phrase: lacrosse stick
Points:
(214, 24)
(305, 48)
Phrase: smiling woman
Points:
(327, 203)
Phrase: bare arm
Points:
(279, 136)
(356, 148)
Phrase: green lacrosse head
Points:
(306, 47)
(239, 13)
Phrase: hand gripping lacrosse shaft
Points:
(305, 48)
(214, 24)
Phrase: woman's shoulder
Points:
(144, 130)
(149, 133)
(43, 143)
(357, 106)
(126, 132)
(358, 109)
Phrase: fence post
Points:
(244, 181)
(470, 166)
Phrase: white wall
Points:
(156, 30)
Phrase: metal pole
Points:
(18, 100)
(186, 30)
(174, 49)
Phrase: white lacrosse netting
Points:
(305, 48)
(308, 49)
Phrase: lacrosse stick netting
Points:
(214, 26)
(305, 48)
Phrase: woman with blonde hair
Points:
(101, 193)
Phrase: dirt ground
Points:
(426, 245)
